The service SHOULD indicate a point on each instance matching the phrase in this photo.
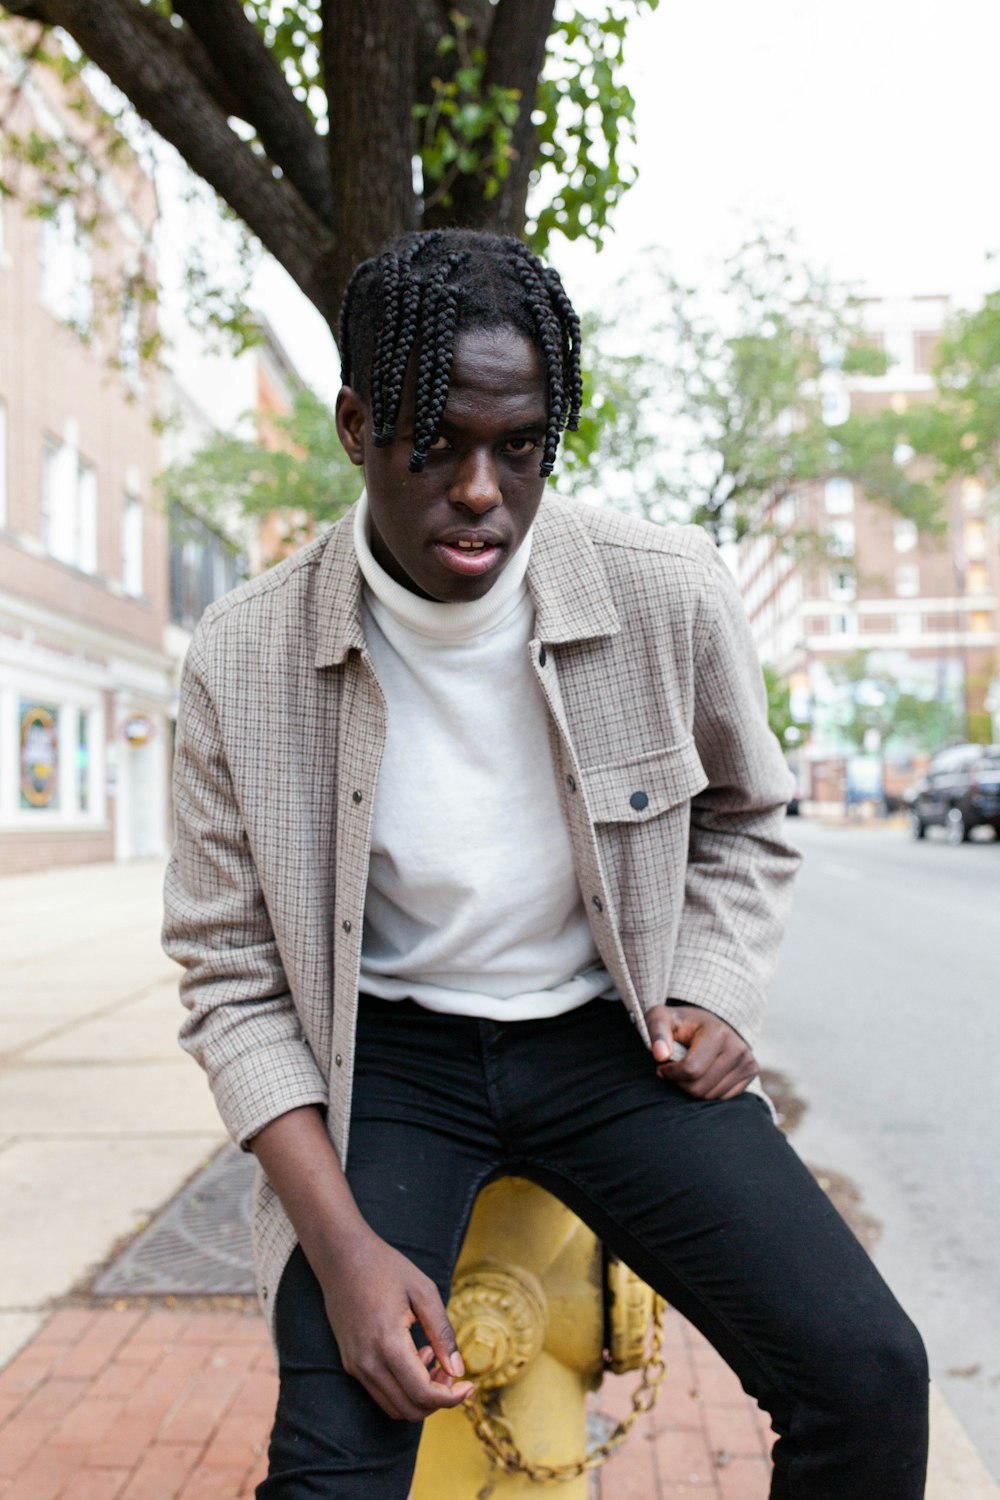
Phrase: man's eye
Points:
(521, 445)
(439, 445)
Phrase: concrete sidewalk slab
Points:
(102, 1117)
(71, 1200)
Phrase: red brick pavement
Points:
(112, 1404)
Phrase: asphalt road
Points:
(886, 1019)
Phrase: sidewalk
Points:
(101, 1121)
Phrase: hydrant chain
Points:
(497, 1438)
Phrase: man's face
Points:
(449, 532)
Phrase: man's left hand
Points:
(718, 1064)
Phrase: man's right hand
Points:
(373, 1294)
(373, 1297)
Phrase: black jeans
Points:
(706, 1201)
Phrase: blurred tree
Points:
(873, 700)
(779, 710)
(731, 403)
(326, 127)
(961, 428)
(305, 480)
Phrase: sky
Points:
(868, 128)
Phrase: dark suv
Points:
(961, 791)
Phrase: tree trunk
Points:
(369, 64)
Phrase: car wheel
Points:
(956, 828)
(917, 826)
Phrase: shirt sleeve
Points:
(740, 867)
(242, 1026)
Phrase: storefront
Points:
(84, 741)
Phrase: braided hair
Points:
(423, 290)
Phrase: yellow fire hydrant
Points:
(538, 1317)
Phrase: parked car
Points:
(960, 792)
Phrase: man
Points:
(477, 808)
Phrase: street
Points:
(885, 1019)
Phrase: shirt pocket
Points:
(641, 816)
(642, 789)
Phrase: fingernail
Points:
(457, 1366)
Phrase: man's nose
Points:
(476, 485)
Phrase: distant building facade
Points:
(923, 610)
(203, 396)
(85, 682)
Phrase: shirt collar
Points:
(567, 583)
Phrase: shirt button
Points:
(346, 926)
(355, 796)
(571, 783)
(339, 1060)
(638, 800)
(596, 903)
(541, 656)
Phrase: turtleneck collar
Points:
(429, 617)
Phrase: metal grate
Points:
(198, 1244)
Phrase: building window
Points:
(907, 580)
(977, 579)
(132, 545)
(83, 761)
(69, 506)
(838, 497)
(908, 625)
(39, 756)
(3, 459)
(842, 538)
(835, 407)
(843, 584)
(843, 624)
(130, 340)
(203, 566)
(975, 540)
(3, 210)
(66, 275)
(57, 771)
(924, 345)
(904, 535)
(972, 492)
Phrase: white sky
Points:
(869, 127)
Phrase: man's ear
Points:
(351, 413)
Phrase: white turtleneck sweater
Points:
(472, 904)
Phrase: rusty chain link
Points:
(495, 1434)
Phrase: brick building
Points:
(84, 678)
(922, 609)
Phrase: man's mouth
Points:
(470, 556)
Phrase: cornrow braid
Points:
(569, 321)
(550, 342)
(412, 301)
(437, 347)
(391, 288)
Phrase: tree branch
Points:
(160, 82)
(514, 60)
(262, 96)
